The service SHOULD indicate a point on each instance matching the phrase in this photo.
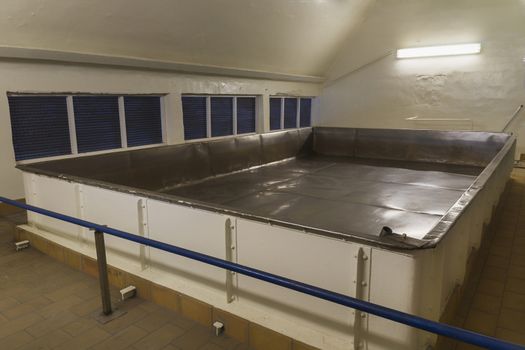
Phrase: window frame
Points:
(298, 112)
(234, 115)
(122, 120)
(85, 120)
(21, 157)
(124, 125)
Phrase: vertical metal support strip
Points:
(360, 287)
(143, 231)
(32, 218)
(234, 115)
(230, 240)
(103, 273)
(298, 114)
(208, 116)
(71, 122)
(282, 113)
(82, 237)
(122, 121)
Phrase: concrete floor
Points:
(48, 305)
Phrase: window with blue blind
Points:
(40, 126)
(275, 113)
(290, 113)
(296, 112)
(305, 119)
(97, 123)
(194, 117)
(245, 115)
(221, 116)
(45, 125)
(143, 120)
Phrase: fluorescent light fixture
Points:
(443, 50)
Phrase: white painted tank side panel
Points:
(392, 284)
(456, 247)
(116, 210)
(30, 194)
(188, 228)
(55, 195)
(443, 269)
(319, 261)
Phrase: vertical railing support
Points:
(103, 272)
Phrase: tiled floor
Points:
(494, 303)
(47, 305)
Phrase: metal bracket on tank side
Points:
(82, 231)
(362, 292)
(31, 217)
(231, 255)
(143, 232)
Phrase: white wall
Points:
(485, 88)
(42, 77)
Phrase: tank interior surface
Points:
(350, 197)
(336, 181)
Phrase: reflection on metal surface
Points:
(341, 182)
(326, 194)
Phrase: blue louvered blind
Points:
(194, 117)
(290, 113)
(245, 115)
(221, 116)
(275, 113)
(306, 112)
(97, 123)
(40, 126)
(143, 120)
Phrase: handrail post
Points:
(103, 272)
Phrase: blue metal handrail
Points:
(337, 298)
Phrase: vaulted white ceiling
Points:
(287, 36)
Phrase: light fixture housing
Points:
(442, 50)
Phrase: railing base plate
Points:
(103, 319)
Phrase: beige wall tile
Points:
(165, 297)
(512, 320)
(487, 303)
(73, 259)
(196, 310)
(482, 322)
(297, 345)
(234, 326)
(512, 336)
(56, 251)
(491, 287)
(143, 286)
(116, 277)
(89, 266)
(264, 339)
(514, 301)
